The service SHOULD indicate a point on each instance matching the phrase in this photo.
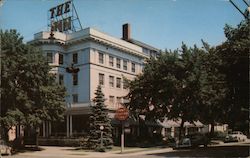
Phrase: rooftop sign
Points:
(60, 10)
(61, 18)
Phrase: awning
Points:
(130, 121)
(166, 123)
(171, 123)
(150, 122)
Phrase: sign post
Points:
(122, 138)
(122, 115)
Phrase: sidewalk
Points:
(70, 152)
(65, 152)
(130, 152)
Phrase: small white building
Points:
(102, 60)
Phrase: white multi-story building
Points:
(102, 60)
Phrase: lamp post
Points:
(101, 128)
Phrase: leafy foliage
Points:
(214, 89)
(99, 117)
(169, 86)
(210, 83)
(234, 53)
(29, 93)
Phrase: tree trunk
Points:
(181, 129)
(37, 141)
(37, 133)
(212, 130)
(4, 134)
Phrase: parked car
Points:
(235, 136)
(171, 142)
(183, 143)
(4, 148)
(198, 139)
(193, 140)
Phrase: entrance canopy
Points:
(171, 123)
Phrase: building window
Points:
(75, 58)
(145, 50)
(126, 99)
(125, 65)
(118, 63)
(50, 57)
(111, 100)
(61, 79)
(153, 54)
(125, 84)
(101, 79)
(101, 58)
(111, 61)
(75, 78)
(118, 100)
(133, 67)
(118, 82)
(111, 81)
(75, 98)
(60, 59)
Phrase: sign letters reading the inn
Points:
(60, 18)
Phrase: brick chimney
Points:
(126, 32)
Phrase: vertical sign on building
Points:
(62, 18)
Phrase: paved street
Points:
(223, 150)
(218, 151)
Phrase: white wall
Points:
(108, 70)
(88, 63)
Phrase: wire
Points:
(246, 3)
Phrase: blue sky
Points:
(160, 23)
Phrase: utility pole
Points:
(0, 88)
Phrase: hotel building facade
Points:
(102, 60)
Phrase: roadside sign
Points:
(121, 114)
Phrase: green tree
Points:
(99, 117)
(187, 104)
(213, 88)
(29, 93)
(234, 52)
(169, 87)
